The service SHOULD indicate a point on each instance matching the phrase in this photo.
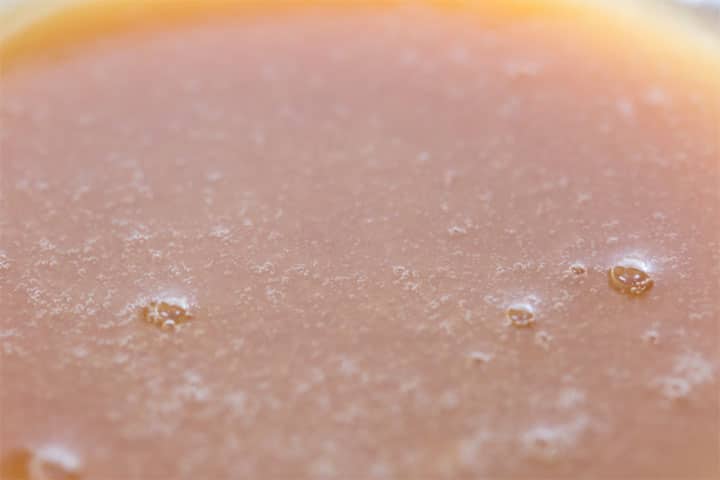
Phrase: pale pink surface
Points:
(350, 202)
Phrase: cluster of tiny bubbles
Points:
(51, 462)
(166, 311)
(689, 370)
(630, 276)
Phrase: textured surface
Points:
(348, 219)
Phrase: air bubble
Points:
(631, 277)
(47, 463)
(457, 231)
(476, 358)
(651, 336)
(578, 269)
(541, 443)
(549, 443)
(168, 325)
(166, 313)
(543, 339)
(675, 388)
(520, 315)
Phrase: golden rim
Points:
(35, 26)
